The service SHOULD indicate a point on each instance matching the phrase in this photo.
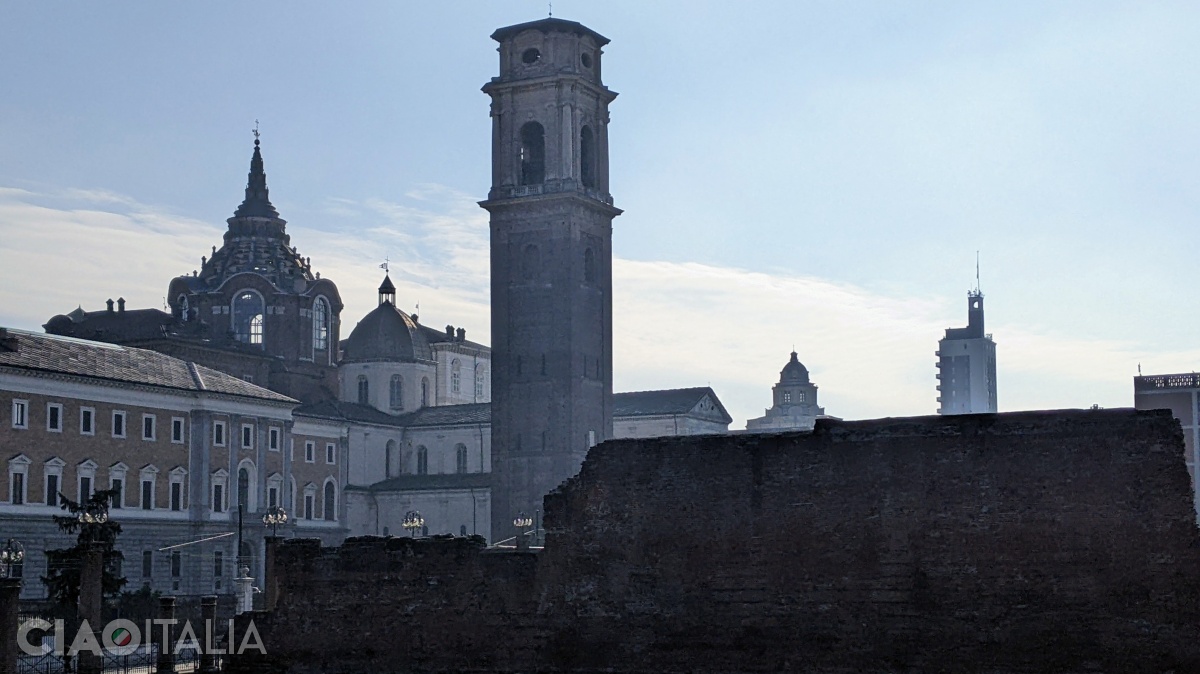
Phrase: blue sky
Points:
(810, 173)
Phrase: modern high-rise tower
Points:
(551, 256)
(967, 365)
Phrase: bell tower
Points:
(551, 257)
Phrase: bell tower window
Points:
(587, 157)
(248, 317)
(533, 154)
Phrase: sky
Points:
(808, 175)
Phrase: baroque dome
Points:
(794, 372)
(386, 334)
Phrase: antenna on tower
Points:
(551, 9)
(977, 290)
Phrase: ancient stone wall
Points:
(1023, 542)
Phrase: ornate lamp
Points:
(274, 517)
(92, 515)
(11, 555)
(522, 522)
(413, 522)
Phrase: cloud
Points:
(675, 324)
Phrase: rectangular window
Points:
(247, 436)
(118, 424)
(176, 496)
(20, 414)
(87, 421)
(310, 451)
(85, 489)
(147, 563)
(18, 489)
(52, 490)
(118, 499)
(219, 433)
(54, 416)
(272, 497)
(218, 498)
(308, 506)
(149, 427)
(176, 564)
(330, 453)
(218, 564)
(147, 494)
(273, 439)
(177, 430)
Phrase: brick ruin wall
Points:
(1021, 542)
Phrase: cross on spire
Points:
(255, 132)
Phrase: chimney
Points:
(121, 305)
(462, 334)
(110, 305)
(8, 343)
(449, 332)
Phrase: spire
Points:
(256, 204)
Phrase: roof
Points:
(547, 25)
(794, 372)
(386, 334)
(449, 415)
(420, 482)
(54, 354)
(344, 411)
(669, 401)
(116, 326)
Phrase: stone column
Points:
(245, 590)
(91, 594)
(10, 600)
(208, 616)
(271, 574)
(165, 638)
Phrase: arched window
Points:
(396, 393)
(460, 458)
(320, 324)
(245, 486)
(391, 459)
(330, 504)
(587, 157)
(533, 154)
(424, 391)
(531, 262)
(455, 376)
(364, 390)
(248, 317)
(184, 309)
(589, 266)
(422, 460)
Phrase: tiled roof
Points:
(670, 401)
(419, 482)
(342, 411)
(98, 360)
(449, 415)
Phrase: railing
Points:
(142, 661)
(549, 187)
(1166, 381)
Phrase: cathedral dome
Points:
(794, 372)
(387, 334)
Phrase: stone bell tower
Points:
(551, 246)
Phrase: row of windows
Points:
(310, 453)
(533, 155)
(85, 485)
(274, 436)
(55, 421)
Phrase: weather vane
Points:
(256, 130)
(551, 9)
(384, 266)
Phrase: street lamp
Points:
(413, 521)
(91, 516)
(522, 522)
(12, 555)
(274, 517)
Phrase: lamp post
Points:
(522, 522)
(413, 521)
(274, 517)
